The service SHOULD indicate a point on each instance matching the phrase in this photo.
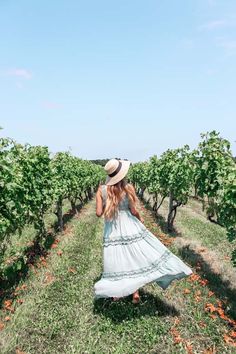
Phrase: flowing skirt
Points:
(134, 257)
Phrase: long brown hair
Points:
(114, 196)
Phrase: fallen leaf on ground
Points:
(194, 277)
(189, 348)
(229, 340)
(210, 307)
(7, 303)
(233, 334)
(204, 282)
(72, 270)
(209, 351)
(210, 293)
(49, 278)
(18, 351)
(202, 324)
(213, 316)
(20, 301)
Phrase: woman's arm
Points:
(133, 209)
(99, 204)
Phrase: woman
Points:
(132, 255)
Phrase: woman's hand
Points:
(135, 212)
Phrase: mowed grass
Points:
(59, 314)
(191, 223)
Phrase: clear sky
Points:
(125, 78)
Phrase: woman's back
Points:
(123, 204)
(132, 255)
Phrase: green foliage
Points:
(213, 159)
(171, 174)
(226, 203)
(155, 179)
(25, 186)
(176, 173)
(31, 182)
(36, 183)
(138, 174)
(101, 162)
(12, 210)
(215, 180)
(210, 168)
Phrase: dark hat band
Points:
(116, 171)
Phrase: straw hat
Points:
(116, 170)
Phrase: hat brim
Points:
(120, 175)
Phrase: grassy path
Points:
(54, 310)
(191, 222)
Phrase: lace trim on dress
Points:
(125, 240)
(153, 267)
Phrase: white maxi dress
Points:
(133, 256)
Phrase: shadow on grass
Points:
(160, 220)
(19, 269)
(222, 288)
(68, 216)
(125, 310)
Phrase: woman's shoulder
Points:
(102, 190)
(130, 186)
(102, 185)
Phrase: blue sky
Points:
(123, 78)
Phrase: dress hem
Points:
(163, 281)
